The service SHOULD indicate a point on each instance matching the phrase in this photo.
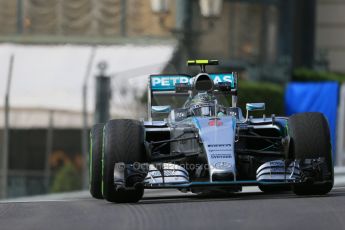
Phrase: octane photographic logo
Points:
(164, 82)
(145, 166)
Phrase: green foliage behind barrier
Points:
(67, 179)
(271, 94)
(303, 74)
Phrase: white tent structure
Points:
(50, 78)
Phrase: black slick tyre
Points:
(123, 143)
(310, 139)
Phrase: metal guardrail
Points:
(340, 157)
(339, 176)
(339, 171)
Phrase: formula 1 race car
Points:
(197, 140)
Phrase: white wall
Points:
(51, 77)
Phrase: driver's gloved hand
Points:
(220, 114)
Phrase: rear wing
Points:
(165, 84)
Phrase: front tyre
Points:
(310, 139)
(123, 143)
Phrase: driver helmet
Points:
(202, 104)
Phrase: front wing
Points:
(276, 172)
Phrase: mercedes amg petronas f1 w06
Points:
(197, 140)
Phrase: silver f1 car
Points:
(197, 140)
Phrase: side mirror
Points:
(254, 107)
(161, 109)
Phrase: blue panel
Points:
(314, 97)
(167, 82)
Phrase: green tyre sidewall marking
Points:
(102, 189)
(90, 162)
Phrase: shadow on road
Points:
(232, 197)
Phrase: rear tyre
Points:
(123, 142)
(310, 139)
(95, 162)
(275, 188)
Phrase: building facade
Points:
(82, 17)
(330, 38)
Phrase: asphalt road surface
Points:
(170, 210)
